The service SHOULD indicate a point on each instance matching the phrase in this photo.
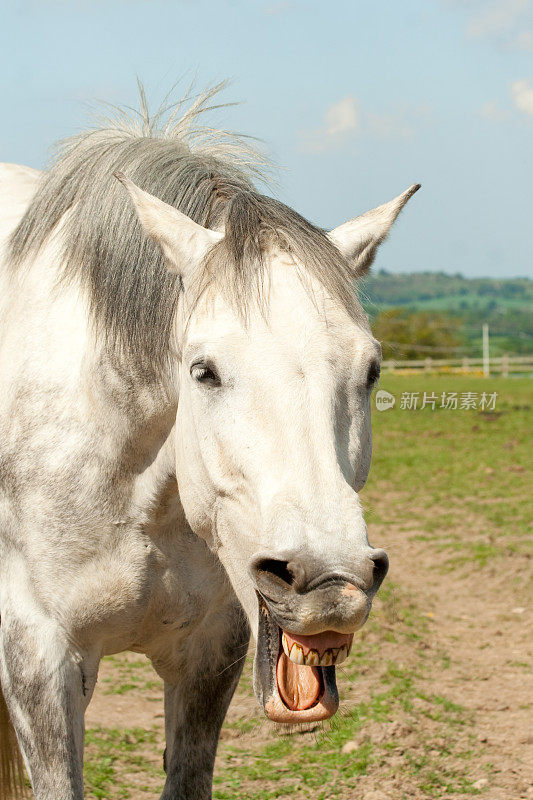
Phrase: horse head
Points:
(275, 365)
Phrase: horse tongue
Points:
(298, 686)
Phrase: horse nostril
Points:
(271, 567)
(274, 570)
(381, 567)
(299, 575)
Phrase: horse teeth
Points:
(297, 654)
(342, 655)
(313, 658)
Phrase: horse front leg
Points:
(195, 706)
(46, 688)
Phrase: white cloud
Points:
(339, 123)
(508, 22)
(522, 94)
(496, 16)
(343, 121)
(491, 110)
(394, 125)
(341, 118)
(524, 40)
(282, 7)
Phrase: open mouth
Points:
(294, 675)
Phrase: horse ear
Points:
(359, 238)
(183, 242)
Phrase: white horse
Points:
(185, 380)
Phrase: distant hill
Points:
(437, 290)
(505, 304)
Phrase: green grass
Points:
(130, 676)
(460, 476)
(107, 750)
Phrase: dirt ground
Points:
(482, 619)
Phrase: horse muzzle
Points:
(306, 627)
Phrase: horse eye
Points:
(373, 374)
(205, 373)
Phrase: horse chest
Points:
(187, 582)
(158, 586)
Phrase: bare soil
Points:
(481, 617)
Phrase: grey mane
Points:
(207, 175)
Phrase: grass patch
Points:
(110, 752)
(131, 675)
(451, 473)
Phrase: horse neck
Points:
(136, 406)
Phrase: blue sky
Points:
(355, 100)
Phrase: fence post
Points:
(505, 366)
(465, 364)
(427, 363)
(486, 362)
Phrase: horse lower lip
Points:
(289, 693)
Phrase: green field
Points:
(449, 498)
(456, 306)
(441, 290)
(450, 463)
(458, 302)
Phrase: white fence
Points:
(503, 365)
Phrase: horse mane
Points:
(207, 174)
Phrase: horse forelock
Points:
(207, 175)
